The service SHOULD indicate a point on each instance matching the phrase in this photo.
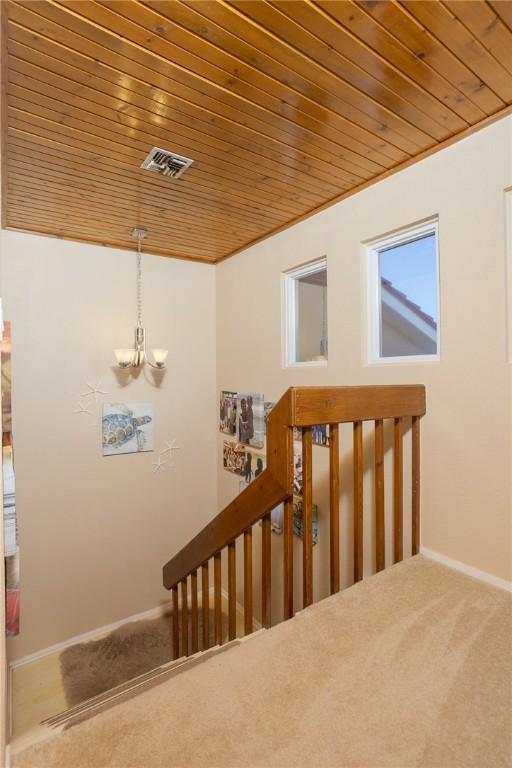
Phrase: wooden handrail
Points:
(302, 407)
(259, 498)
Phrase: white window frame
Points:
(373, 299)
(289, 313)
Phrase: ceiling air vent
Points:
(165, 162)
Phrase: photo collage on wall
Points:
(11, 544)
(244, 416)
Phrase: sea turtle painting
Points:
(127, 429)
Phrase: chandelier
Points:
(134, 358)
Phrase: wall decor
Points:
(170, 447)
(297, 468)
(297, 519)
(227, 413)
(267, 407)
(241, 461)
(94, 391)
(82, 408)
(127, 428)
(251, 419)
(10, 520)
(320, 435)
(159, 463)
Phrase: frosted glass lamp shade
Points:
(124, 357)
(160, 356)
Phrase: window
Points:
(305, 308)
(404, 296)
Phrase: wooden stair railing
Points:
(302, 407)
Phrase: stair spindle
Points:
(288, 557)
(415, 485)
(358, 500)
(175, 624)
(205, 599)
(217, 596)
(334, 507)
(265, 572)
(398, 482)
(184, 618)
(307, 516)
(194, 617)
(232, 590)
(380, 554)
(248, 610)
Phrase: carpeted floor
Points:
(409, 669)
(137, 647)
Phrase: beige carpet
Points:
(91, 668)
(410, 669)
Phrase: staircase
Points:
(299, 408)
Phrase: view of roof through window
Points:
(411, 269)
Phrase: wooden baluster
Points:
(265, 571)
(415, 485)
(307, 516)
(334, 506)
(398, 512)
(248, 610)
(217, 596)
(205, 589)
(358, 500)
(380, 538)
(288, 557)
(232, 590)
(195, 622)
(175, 624)
(184, 618)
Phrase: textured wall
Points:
(96, 531)
(466, 434)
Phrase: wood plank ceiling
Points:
(284, 107)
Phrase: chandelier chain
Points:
(139, 283)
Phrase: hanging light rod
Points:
(134, 358)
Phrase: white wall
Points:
(466, 491)
(95, 531)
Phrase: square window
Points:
(305, 309)
(404, 296)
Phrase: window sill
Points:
(307, 364)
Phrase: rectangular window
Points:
(305, 314)
(403, 308)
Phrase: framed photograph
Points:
(268, 405)
(127, 428)
(227, 413)
(320, 435)
(298, 528)
(251, 419)
(242, 461)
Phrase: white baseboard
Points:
(152, 613)
(488, 578)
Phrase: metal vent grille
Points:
(166, 163)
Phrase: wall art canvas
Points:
(240, 460)
(227, 413)
(297, 468)
(320, 435)
(127, 428)
(297, 519)
(10, 521)
(268, 406)
(251, 419)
